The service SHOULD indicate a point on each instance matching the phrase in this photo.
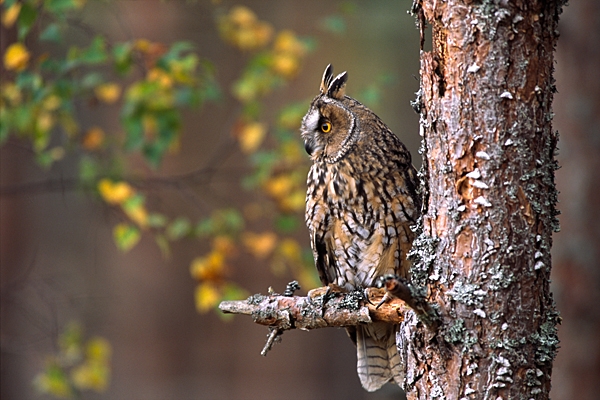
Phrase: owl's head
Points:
(330, 128)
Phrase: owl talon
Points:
(386, 297)
(366, 296)
(326, 297)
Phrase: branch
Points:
(340, 308)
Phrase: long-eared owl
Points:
(362, 199)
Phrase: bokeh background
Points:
(59, 262)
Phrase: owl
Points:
(362, 199)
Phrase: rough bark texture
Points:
(489, 215)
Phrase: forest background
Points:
(176, 178)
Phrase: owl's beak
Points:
(309, 146)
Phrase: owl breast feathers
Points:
(362, 199)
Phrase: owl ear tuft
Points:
(327, 75)
(337, 87)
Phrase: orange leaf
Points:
(93, 139)
(16, 57)
(261, 245)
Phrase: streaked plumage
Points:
(361, 200)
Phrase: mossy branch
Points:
(295, 312)
(341, 309)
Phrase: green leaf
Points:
(287, 223)
(60, 6)
(371, 95)
(211, 90)
(153, 154)
(163, 245)
(44, 159)
(91, 80)
(187, 96)
(205, 227)
(179, 228)
(4, 128)
(134, 133)
(51, 33)
(334, 24)
(126, 236)
(156, 220)
(29, 80)
(95, 53)
(122, 55)
(88, 169)
(26, 19)
(233, 220)
(174, 53)
(134, 202)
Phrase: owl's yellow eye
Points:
(326, 127)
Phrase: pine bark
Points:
(489, 210)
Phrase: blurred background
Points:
(62, 259)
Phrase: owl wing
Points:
(324, 258)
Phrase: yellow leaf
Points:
(143, 45)
(51, 102)
(242, 28)
(308, 277)
(209, 268)
(57, 153)
(12, 93)
(93, 139)
(11, 15)
(150, 124)
(295, 201)
(108, 92)
(69, 124)
(279, 186)
(53, 381)
(91, 375)
(206, 296)
(292, 152)
(243, 16)
(137, 213)
(287, 42)
(290, 249)
(158, 75)
(285, 64)
(261, 245)
(16, 57)
(251, 136)
(115, 192)
(45, 121)
(98, 349)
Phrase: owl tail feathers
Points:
(378, 360)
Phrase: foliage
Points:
(48, 79)
(78, 365)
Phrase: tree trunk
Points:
(489, 213)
